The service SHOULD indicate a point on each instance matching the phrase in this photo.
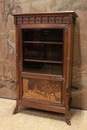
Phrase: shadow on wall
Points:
(79, 73)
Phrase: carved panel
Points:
(42, 89)
(45, 19)
(51, 19)
(58, 19)
(65, 20)
(25, 20)
(19, 20)
(32, 19)
(38, 19)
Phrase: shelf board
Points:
(42, 42)
(45, 61)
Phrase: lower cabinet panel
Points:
(40, 89)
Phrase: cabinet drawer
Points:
(40, 90)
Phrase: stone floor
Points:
(30, 119)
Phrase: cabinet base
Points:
(43, 107)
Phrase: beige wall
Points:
(7, 44)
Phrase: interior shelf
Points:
(42, 42)
(45, 61)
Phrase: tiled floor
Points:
(30, 119)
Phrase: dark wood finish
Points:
(44, 60)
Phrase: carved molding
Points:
(43, 19)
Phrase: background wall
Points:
(7, 44)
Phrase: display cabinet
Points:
(44, 46)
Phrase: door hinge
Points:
(59, 78)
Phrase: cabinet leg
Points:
(15, 110)
(67, 120)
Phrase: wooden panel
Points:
(49, 90)
(42, 89)
(44, 18)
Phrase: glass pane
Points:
(53, 35)
(43, 51)
(42, 68)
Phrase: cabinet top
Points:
(47, 13)
(58, 17)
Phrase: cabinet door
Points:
(51, 65)
(42, 91)
(43, 51)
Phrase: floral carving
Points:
(58, 19)
(32, 19)
(25, 20)
(38, 19)
(43, 19)
(19, 20)
(51, 19)
(65, 19)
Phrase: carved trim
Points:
(44, 19)
(63, 102)
(66, 28)
(19, 20)
(58, 19)
(25, 20)
(32, 20)
(52, 19)
(38, 19)
(65, 19)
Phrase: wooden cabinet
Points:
(44, 60)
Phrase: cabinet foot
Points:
(15, 110)
(67, 120)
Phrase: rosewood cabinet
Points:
(44, 60)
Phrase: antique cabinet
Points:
(44, 60)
